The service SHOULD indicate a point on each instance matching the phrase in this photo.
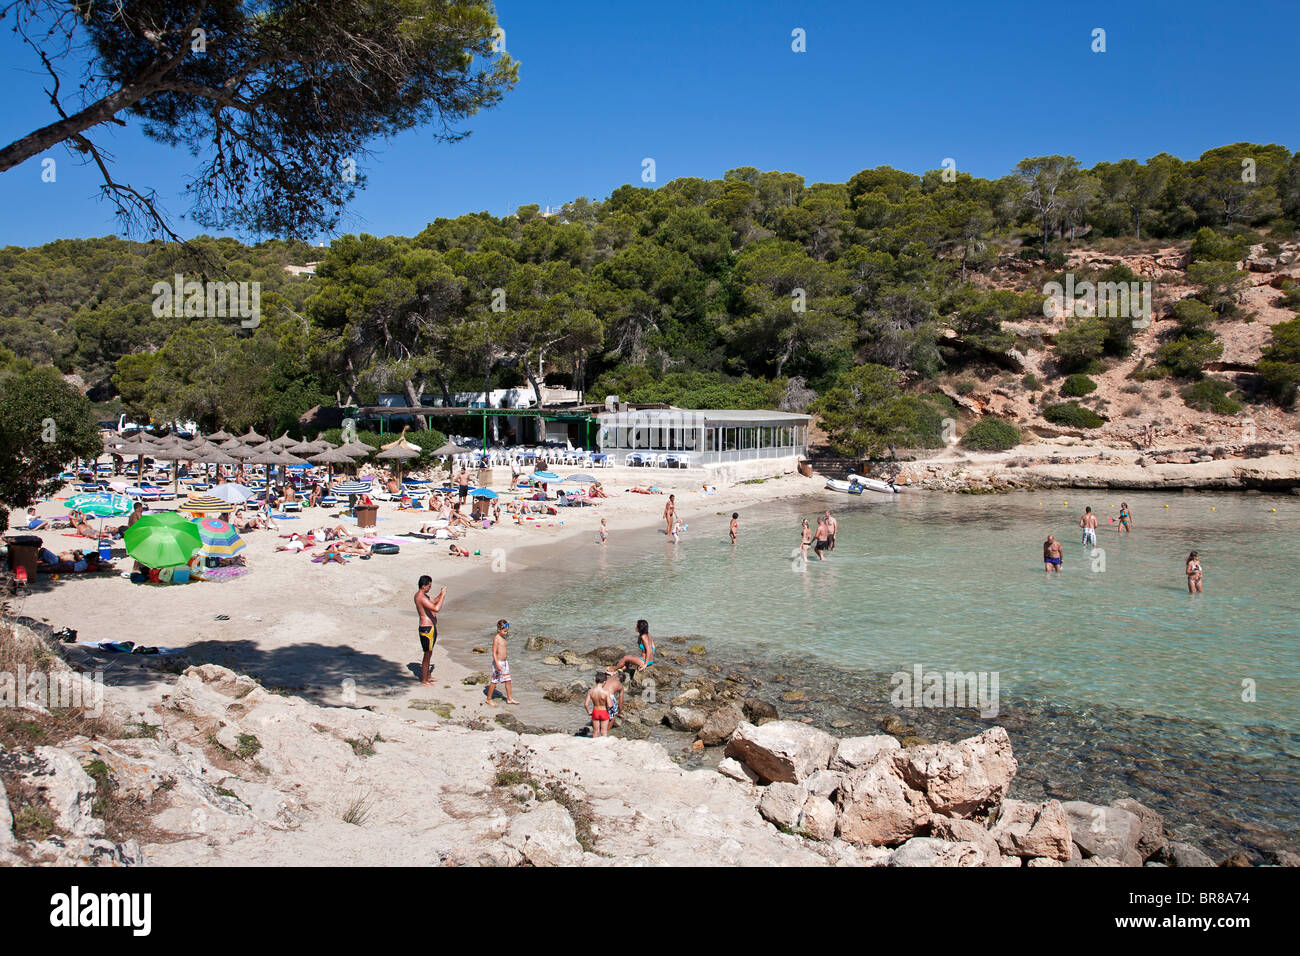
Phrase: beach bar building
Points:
(702, 437)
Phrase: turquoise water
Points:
(956, 583)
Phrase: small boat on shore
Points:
(856, 484)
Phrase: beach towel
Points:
(223, 574)
(127, 647)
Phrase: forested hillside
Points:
(865, 300)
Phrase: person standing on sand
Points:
(670, 512)
(823, 539)
(832, 526)
(428, 611)
(1194, 573)
(1052, 555)
(500, 665)
(734, 530)
(462, 484)
(1089, 525)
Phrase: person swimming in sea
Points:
(1194, 573)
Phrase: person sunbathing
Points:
(351, 546)
(457, 518)
(457, 552)
(595, 491)
(645, 491)
(329, 556)
(336, 533)
(86, 531)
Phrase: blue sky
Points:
(705, 86)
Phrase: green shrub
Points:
(1072, 415)
(1031, 382)
(1185, 355)
(1076, 386)
(991, 434)
(965, 387)
(1210, 246)
(1211, 395)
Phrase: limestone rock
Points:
(545, 836)
(782, 750)
(1040, 861)
(877, 807)
(759, 711)
(720, 724)
(736, 770)
(961, 778)
(818, 819)
(6, 821)
(1032, 830)
(607, 654)
(1184, 854)
(782, 803)
(957, 830)
(927, 851)
(574, 659)
(687, 719)
(1096, 861)
(856, 752)
(1104, 831)
(68, 790)
(1153, 839)
(825, 783)
(537, 642)
(685, 697)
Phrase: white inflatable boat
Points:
(856, 484)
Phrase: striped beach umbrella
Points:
(204, 504)
(544, 476)
(582, 479)
(220, 540)
(351, 488)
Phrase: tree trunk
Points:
(532, 380)
(412, 394)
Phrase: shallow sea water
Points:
(1111, 678)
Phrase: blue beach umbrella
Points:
(546, 476)
(483, 493)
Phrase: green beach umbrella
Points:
(166, 540)
(101, 505)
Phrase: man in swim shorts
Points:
(823, 539)
(612, 681)
(1052, 554)
(428, 629)
(832, 526)
(500, 665)
(1089, 525)
(597, 705)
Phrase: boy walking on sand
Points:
(597, 704)
(500, 666)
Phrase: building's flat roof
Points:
(718, 416)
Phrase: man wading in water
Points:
(1089, 525)
(1052, 555)
(428, 630)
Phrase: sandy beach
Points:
(347, 634)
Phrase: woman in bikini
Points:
(1193, 573)
(645, 644)
(805, 539)
(1125, 519)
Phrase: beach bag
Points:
(385, 548)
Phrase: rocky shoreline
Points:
(700, 698)
(1080, 464)
(209, 767)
